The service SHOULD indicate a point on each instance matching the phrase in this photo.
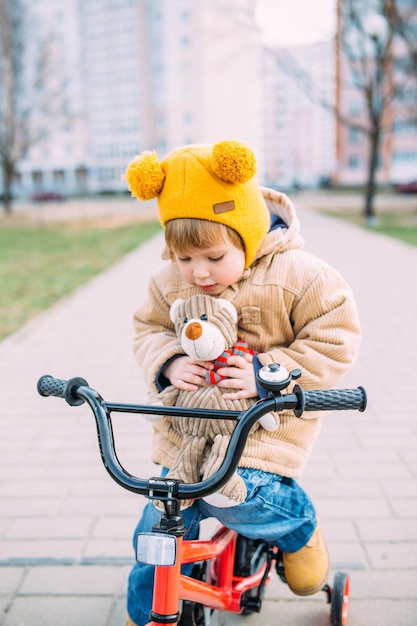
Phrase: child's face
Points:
(212, 269)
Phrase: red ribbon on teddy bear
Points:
(240, 348)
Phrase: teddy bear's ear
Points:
(233, 161)
(144, 176)
(226, 304)
(174, 309)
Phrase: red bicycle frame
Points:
(170, 585)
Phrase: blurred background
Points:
(325, 92)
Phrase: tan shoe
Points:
(307, 570)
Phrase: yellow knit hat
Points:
(209, 182)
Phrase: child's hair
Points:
(186, 233)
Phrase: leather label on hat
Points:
(224, 207)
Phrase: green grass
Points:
(39, 266)
(400, 225)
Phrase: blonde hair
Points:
(186, 233)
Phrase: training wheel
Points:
(340, 599)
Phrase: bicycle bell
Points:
(275, 377)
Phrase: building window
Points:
(409, 95)
(37, 178)
(160, 121)
(355, 107)
(405, 126)
(355, 162)
(355, 135)
(59, 176)
(105, 174)
(356, 79)
(404, 156)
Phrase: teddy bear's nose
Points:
(194, 331)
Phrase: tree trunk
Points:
(369, 212)
(7, 187)
(7, 204)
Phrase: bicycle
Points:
(230, 571)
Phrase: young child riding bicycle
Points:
(226, 236)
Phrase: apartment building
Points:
(144, 74)
(154, 74)
(298, 126)
(56, 160)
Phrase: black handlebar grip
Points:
(50, 386)
(335, 399)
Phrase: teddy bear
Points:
(207, 330)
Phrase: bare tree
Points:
(376, 51)
(371, 39)
(28, 98)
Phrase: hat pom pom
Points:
(233, 161)
(144, 176)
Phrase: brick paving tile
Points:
(65, 528)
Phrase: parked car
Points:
(46, 196)
(410, 187)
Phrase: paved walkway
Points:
(65, 527)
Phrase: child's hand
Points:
(239, 375)
(187, 373)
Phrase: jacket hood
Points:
(280, 239)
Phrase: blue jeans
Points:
(276, 510)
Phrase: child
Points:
(228, 237)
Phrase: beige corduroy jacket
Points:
(293, 308)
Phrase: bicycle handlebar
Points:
(50, 386)
(76, 391)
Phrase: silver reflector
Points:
(156, 549)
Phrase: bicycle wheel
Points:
(250, 555)
(340, 599)
(194, 614)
